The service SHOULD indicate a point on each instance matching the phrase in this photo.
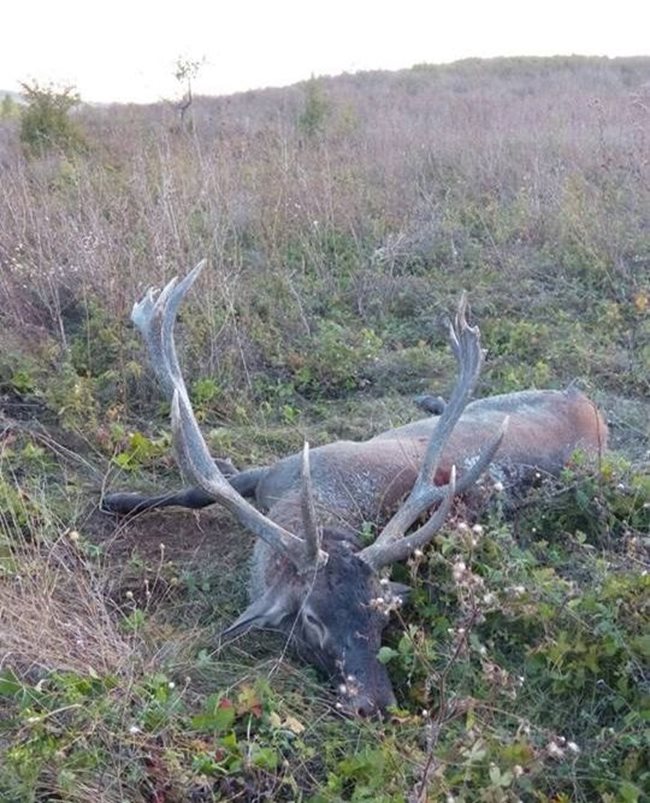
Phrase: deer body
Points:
(364, 481)
(310, 575)
(357, 482)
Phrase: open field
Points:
(341, 219)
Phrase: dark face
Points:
(339, 627)
(335, 619)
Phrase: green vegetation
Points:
(314, 114)
(341, 219)
(45, 124)
(9, 109)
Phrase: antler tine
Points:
(145, 315)
(465, 343)
(156, 317)
(402, 548)
(168, 304)
(313, 533)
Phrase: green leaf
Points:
(386, 654)
(630, 793)
(123, 460)
(9, 684)
(218, 715)
(265, 757)
(642, 645)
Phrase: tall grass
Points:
(525, 181)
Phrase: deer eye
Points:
(315, 628)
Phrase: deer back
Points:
(545, 428)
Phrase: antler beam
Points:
(391, 545)
(156, 317)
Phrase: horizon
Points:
(250, 45)
(199, 94)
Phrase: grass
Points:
(336, 247)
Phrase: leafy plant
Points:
(142, 451)
(338, 361)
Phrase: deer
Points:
(311, 576)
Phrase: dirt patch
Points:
(187, 536)
(194, 564)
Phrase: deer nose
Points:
(364, 705)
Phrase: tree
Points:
(186, 71)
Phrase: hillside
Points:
(341, 219)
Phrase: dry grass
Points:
(55, 615)
(508, 177)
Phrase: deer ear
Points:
(266, 611)
(400, 590)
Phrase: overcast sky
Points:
(125, 50)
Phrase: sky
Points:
(126, 50)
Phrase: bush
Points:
(45, 124)
(315, 111)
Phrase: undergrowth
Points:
(520, 664)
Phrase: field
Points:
(341, 219)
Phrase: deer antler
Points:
(391, 545)
(313, 533)
(155, 317)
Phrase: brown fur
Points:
(363, 481)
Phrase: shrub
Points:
(315, 111)
(8, 108)
(45, 124)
